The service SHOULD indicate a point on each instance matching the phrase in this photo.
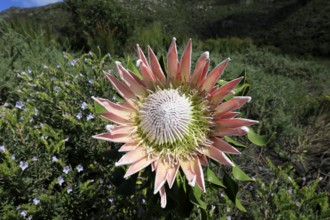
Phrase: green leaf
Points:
(162, 65)
(204, 214)
(231, 187)
(212, 178)
(132, 67)
(242, 90)
(244, 74)
(239, 205)
(240, 175)
(259, 140)
(195, 197)
(181, 198)
(234, 142)
(232, 190)
(127, 188)
(99, 108)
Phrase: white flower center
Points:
(166, 116)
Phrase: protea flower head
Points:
(173, 121)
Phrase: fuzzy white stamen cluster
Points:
(166, 116)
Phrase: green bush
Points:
(23, 51)
(106, 24)
(50, 167)
(228, 45)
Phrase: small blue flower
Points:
(58, 66)
(19, 105)
(83, 105)
(36, 201)
(2, 148)
(80, 168)
(66, 169)
(54, 159)
(90, 81)
(23, 213)
(79, 116)
(57, 89)
(34, 158)
(36, 112)
(60, 180)
(69, 190)
(23, 165)
(90, 117)
(13, 157)
(73, 62)
(30, 70)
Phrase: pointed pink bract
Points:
(130, 146)
(214, 75)
(122, 89)
(155, 66)
(188, 171)
(185, 63)
(224, 146)
(163, 199)
(131, 82)
(118, 138)
(232, 104)
(138, 165)
(199, 68)
(171, 174)
(172, 61)
(219, 94)
(132, 156)
(235, 122)
(222, 132)
(217, 155)
(161, 172)
(199, 174)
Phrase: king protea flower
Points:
(173, 121)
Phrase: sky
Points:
(5, 4)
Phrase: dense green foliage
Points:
(294, 26)
(51, 168)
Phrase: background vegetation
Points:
(51, 64)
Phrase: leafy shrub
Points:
(153, 35)
(227, 45)
(285, 197)
(50, 167)
(24, 50)
(97, 19)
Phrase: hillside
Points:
(299, 27)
